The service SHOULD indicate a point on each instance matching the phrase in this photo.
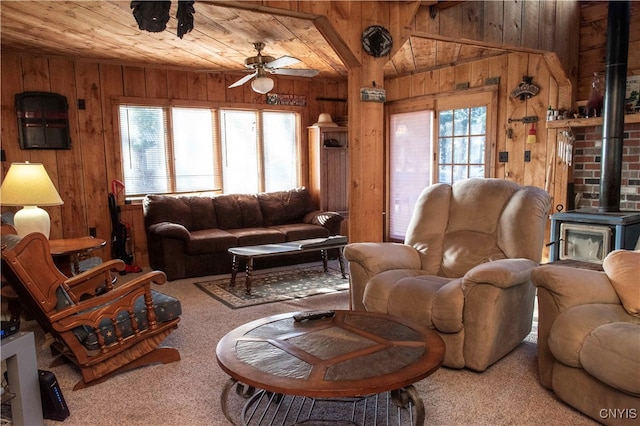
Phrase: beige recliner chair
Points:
(589, 336)
(464, 269)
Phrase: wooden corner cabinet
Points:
(329, 170)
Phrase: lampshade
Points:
(262, 85)
(29, 185)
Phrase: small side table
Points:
(66, 251)
(19, 351)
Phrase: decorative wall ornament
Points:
(368, 94)
(153, 16)
(525, 90)
(377, 41)
(292, 100)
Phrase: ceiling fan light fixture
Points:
(262, 85)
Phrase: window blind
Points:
(409, 166)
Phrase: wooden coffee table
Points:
(249, 253)
(350, 355)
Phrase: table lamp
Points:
(28, 184)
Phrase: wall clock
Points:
(376, 41)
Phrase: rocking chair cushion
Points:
(63, 299)
(166, 307)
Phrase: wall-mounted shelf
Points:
(586, 122)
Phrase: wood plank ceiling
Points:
(220, 41)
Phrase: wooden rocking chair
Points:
(104, 330)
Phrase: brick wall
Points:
(586, 170)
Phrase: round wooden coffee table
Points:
(351, 355)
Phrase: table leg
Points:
(224, 398)
(325, 263)
(406, 396)
(241, 389)
(234, 269)
(341, 261)
(247, 281)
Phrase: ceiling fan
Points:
(263, 64)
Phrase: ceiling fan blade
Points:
(295, 72)
(283, 61)
(243, 80)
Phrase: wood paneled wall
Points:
(83, 174)
(528, 26)
(509, 69)
(593, 43)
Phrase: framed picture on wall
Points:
(43, 120)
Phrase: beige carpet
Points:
(188, 392)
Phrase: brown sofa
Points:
(188, 236)
(589, 336)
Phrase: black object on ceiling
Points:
(153, 16)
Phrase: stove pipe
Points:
(614, 95)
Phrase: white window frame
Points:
(217, 140)
(464, 101)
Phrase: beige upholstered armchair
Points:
(464, 269)
(589, 336)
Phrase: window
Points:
(461, 143)
(168, 150)
(260, 151)
(437, 140)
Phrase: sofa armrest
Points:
(369, 259)
(574, 286)
(559, 288)
(503, 273)
(329, 220)
(170, 230)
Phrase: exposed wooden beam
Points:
(341, 48)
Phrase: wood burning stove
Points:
(588, 235)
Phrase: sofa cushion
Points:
(301, 231)
(203, 214)
(471, 195)
(285, 206)
(210, 241)
(256, 236)
(329, 220)
(165, 208)
(416, 298)
(623, 269)
(459, 256)
(235, 211)
(611, 353)
(405, 293)
(571, 328)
